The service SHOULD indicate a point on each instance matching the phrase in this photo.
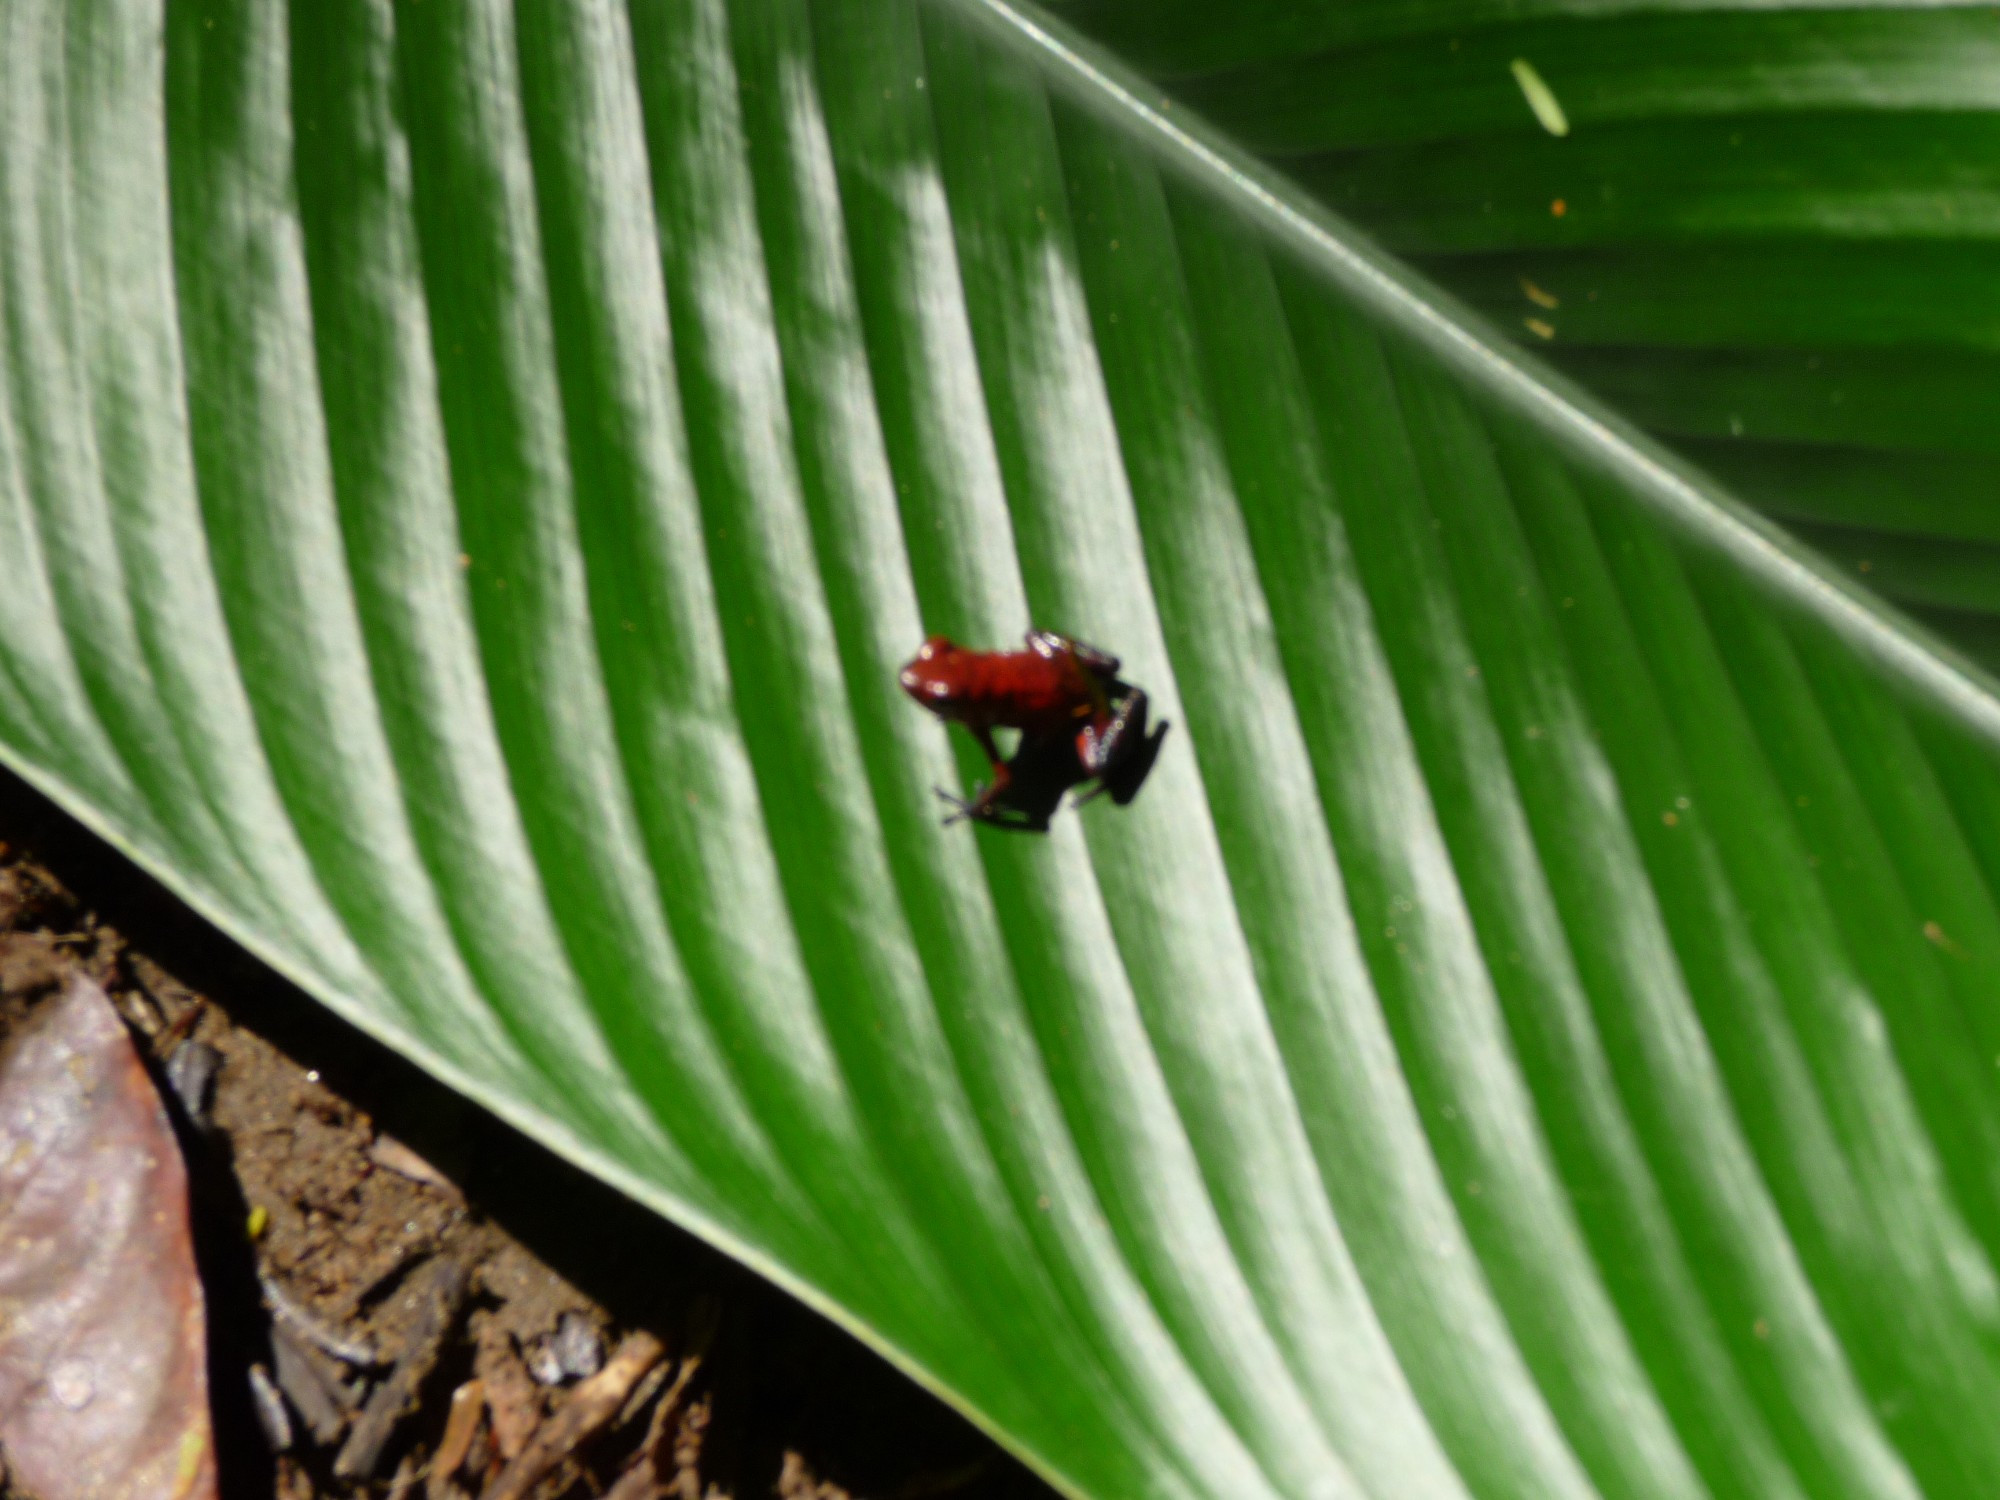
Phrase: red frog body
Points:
(1034, 691)
(1078, 722)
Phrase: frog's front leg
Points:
(990, 810)
(986, 799)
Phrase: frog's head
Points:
(935, 674)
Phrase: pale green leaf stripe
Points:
(469, 473)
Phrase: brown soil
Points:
(346, 1208)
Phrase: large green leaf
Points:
(1776, 243)
(468, 475)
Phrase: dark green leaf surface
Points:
(469, 475)
(1804, 193)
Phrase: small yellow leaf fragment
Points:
(1939, 938)
(1538, 328)
(188, 1461)
(1541, 98)
(1539, 297)
(260, 1220)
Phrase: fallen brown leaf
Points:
(103, 1373)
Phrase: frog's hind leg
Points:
(1120, 752)
(1124, 779)
(1104, 743)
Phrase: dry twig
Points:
(442, 1291)
(593, 1403)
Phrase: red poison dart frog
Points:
(1078, 720)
